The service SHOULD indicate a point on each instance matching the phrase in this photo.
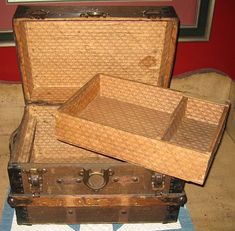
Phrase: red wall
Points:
(218, 53)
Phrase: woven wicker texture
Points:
(127, 117)
(145, 125)
(23, 144)
(59, 56)
(45, 147)
(194, 134)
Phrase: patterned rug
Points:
(184, 223)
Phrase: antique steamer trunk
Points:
(59, 50)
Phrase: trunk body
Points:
(59, 50)
(81, 186)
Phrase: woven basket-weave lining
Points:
(145, 125)
(58, 57)
(45, 148)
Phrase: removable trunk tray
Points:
(157, 128)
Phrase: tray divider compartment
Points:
(83, 97)
(140, 94)
(176, 119)
(199, 126)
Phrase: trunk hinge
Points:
(35, 179)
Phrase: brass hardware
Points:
(158, 181)
(59, 181)
(68, 180)
(96, 180)
(152, 13)
(124, 215)
(11, 201)
(115, 179)
(94, 13)
(126, 180)
(40, 14)
(123, 212)
(35, 179)
(135, 179)
(78, 180)
(70, 211)
(14, 202)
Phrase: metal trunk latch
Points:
(35, 179)
(96, 180)
(153, 13)
(158, 181)
(94, 13)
